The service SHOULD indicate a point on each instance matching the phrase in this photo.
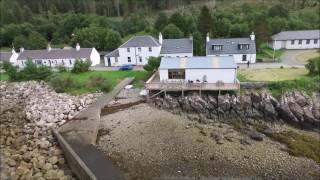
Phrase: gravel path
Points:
(289, 57)
(146, 142)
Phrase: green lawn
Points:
(3, 77)
(114, 77)
(267, 53)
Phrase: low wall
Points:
(253, 85)
(77, 136)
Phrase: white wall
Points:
(213, 75)
(135, 54)
(238, 57)
(177, 55)
(113, 60)
(286, 44)
(95, 57)
(54, 62)
(13, 58)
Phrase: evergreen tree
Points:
(204, 21)
(178, 20)
(172, 31)
(161, 22)
(36, 41)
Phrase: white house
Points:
(55, 57)
(139, 49)
(198, 69)
(9, 56)
(308, 39)
(241, 49)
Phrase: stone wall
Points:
(294, 107)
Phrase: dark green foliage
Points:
(178, 20)
(198, 44)
(313, 66)
(161, 22)
(81, 66)
(171, 31)
(153, 64)
(204, 21)
(60, 83)
(30, 72)
(99, 83)
(62, 68)
(278, 10)
(6, 65)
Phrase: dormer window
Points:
(217, 47)
(243, 46)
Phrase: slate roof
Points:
(114, 53)
(172, 46)
(223, 62)
(141, 41)
(292, 35)
(5, 56)
(230, 46)
(55, 54)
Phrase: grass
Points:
(267, 53)
(304, 57)
(271, 74)
(4, 77)
(114, 77)
(300, 145)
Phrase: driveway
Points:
(297, 57)
(105, 68)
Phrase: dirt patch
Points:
(146, 143)
(304, 57)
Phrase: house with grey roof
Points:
(307, 39)
(9, 56)
(195, 73)
(56, 57)
(138, 49)
(243, 50)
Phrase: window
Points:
(315, 41)
(139, 49)
(176, 74)
(292, 42)
(300, 41)
(244, 57)
(70, 62)
(56, 61)
(150, 49)
(244, 46)
(217, 47)
(140, 59)
(116, 59)
(129, 59)
(308, 41)
(128, 49)
(38, 61)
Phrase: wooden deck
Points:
(154, 84)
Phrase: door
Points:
(109, 62)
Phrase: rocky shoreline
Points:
(28, 112)
(296, 107)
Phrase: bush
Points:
(313, 66)
(62, 68)
(30, 72)
(6, 65)
(61, 84)
(81, 66)
(99, 83)
(153, 64)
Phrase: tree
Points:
(113, 40)
(198, 44)
(20, 41)
(153, 64)
(277, 24)
(81, 66)
(178, 20)
(161, 22)
(278, 10)
(313, 66)
(261, 30)
(221, 28)
(204, 21)
(91, 37)
(36, 41)
(172, 31)
(239, 30)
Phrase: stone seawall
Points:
(295, 107)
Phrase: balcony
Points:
(154, 83)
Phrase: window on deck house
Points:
(176, 74)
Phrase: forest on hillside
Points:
(105, 24)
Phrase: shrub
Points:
(62, 68)
(6, 65)
(60, 83)
(153, 64)
(81, 66)
(313, 66)
(99, 83)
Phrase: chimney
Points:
(252, 36)
(21, 49)
(191, 37)
(160, 38)
(13, 51)
(78, 47)
(208, 37)
(49, 47)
